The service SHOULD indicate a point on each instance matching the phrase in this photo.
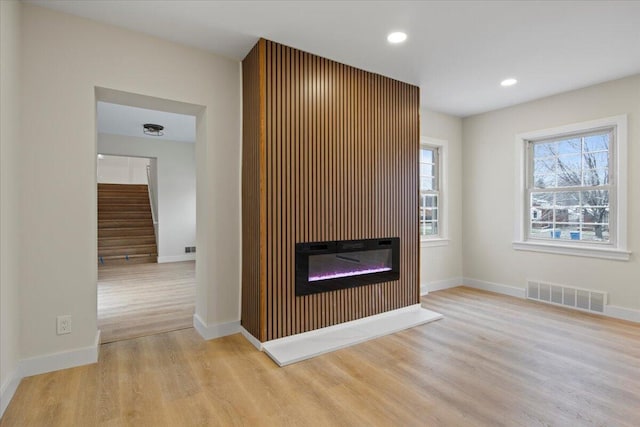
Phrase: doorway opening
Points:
(146, 226)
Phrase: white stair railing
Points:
(152, 192)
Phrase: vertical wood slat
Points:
(340, 162)
(252, 189)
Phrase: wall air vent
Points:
(567, 296)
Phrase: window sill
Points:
(432, 243)
(582, 251)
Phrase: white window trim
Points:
(442, 239)
(617, 251)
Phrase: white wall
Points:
(64, 59)
(124, 170)
(176, 169)
(489, 166)
(441, 266)
(10, 45)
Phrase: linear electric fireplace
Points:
(328, 266)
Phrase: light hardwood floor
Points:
(493, 360)
(145, 299)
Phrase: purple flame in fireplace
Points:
(336, 275)
(330, 266)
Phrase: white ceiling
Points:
(457, 51)
(128, 121)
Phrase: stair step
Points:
(125, 226)
(130, 188)
(123, 215)
(122, 207)
(127, 250)
(105, 242)
(124, 223)
(120, 199)
(133, 259)
(125, 232)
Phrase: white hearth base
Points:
(288, 350)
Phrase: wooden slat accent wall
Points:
(251, 142)
(341, 162)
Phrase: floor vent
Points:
(580, 299)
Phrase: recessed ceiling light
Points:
(100, 156)
(508, 82)
(397, 37)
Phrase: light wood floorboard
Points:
(492, 361)
(145, 299)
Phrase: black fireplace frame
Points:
(304, 250)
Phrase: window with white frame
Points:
(575, 189)
(429, 191)
(569, 187)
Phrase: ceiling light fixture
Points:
(396, 37)
(100, 156)
(508, 82)
(152, 129)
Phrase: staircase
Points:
(125, 225)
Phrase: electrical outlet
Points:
(187, 249)
(64, 324)
(193, 249)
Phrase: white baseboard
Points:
(8, 389)
(176, 258)
(209, 332)
(63, 360)
(622, 313)
(495, 287)
(438, 285)
(253, 340)
(614, 311)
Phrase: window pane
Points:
(568, 198)
(545, 181)
(574, 214)
(596, 160)
(597, 142)
(541, 215)
(569, 170)
(596, 198)
(544, 166)
(541, 200)
(428, 200)
(595, 232)
(429, 214)
(569, 178)
(595, 215)
(429, 228)
(426, 155)
(571, 162)
(426, 170)
(569, 146)
(544, 150)
(540, 230)
(593, 177)
(434, 227)
(426, 183)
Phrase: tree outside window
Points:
(569, 187)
